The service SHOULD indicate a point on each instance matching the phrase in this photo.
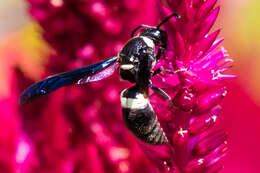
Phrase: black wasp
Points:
(136, 60)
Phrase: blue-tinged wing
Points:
(57, 81)
(99, 75)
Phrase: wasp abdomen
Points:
(140, 118)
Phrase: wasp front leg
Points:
(161, 51)
(159, 70)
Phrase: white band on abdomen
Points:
(134, 103)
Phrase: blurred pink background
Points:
(239, 20)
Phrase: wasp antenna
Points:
(138, 27)
(177, 15)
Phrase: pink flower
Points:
(193, 145)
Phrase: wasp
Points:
(135, 61)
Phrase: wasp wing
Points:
(52, 83)
(99, 75)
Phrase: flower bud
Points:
(215, 156)
(195, 165)
(210, 142)
(204, 122)
(209, 99)
(159, 152)
(180, 138)
(161, 156)
(184, 99)
(201, 164)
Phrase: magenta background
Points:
(241, 107)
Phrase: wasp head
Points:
(158, 36)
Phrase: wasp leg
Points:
(163, 93)
(160, 52)
(159, 70)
